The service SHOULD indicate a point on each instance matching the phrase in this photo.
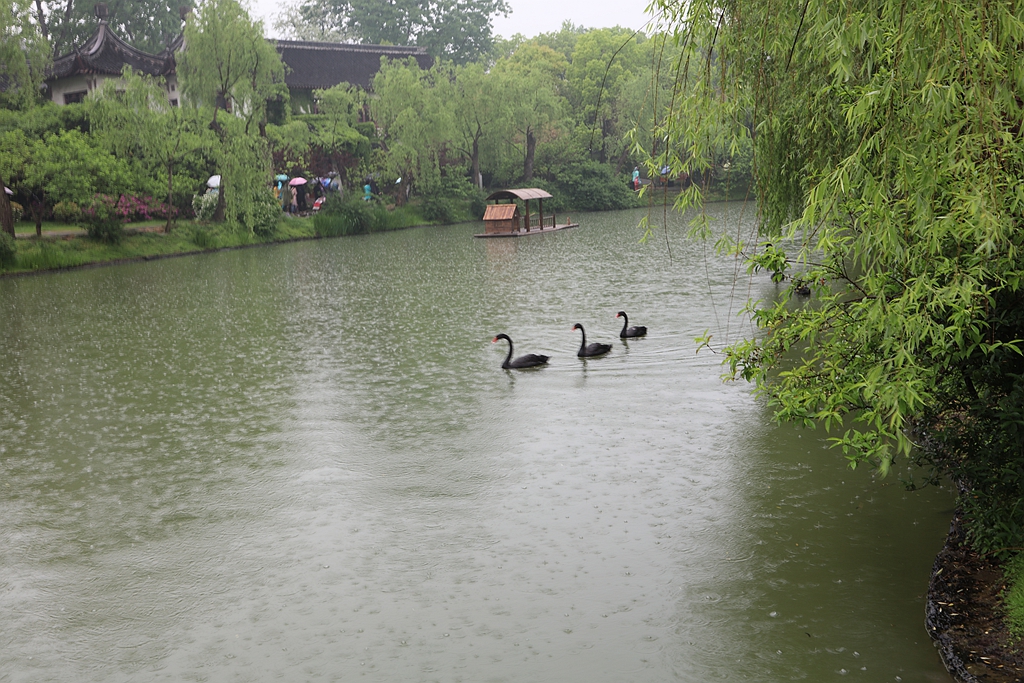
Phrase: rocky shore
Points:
(964, 615)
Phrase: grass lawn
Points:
(65, 246)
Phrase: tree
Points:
(63, 167)
(230, 66)
(23, 59)
(887, 149)
(334, 128)
(475, 106)
(457, 30)
(134, 113)
(604, 63)
(415, 123)
(528, 83)
(149, 25)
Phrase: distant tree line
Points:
(553, 111)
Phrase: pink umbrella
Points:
(297, 181)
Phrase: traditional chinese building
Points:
(309, 65)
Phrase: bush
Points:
(1013, 595)
(347, 217)
(101, 221)
(8, 251)
(478, 204)
(203, 205)
(204, 239)
(17, 210)
(67, 212)
(265, 214)
(47, 256)
(591, 186)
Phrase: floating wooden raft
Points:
(503, 218)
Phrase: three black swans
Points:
(530, 360)
(590, 350)
(627, 331)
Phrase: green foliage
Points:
(203, 205)
(459, 30)
(892, 164)
(228, 63)
(17, 211)
(1013, 595)
(101, 221)
(204, 238)
(445, 200)
(352, 216)
(68, 212)
(264, 214)
(46, 256)
(148, 25)
(23, 55)
(589, 185)
(8, 250)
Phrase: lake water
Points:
(304, 463)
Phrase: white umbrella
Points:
(8, 190)
(214, 181)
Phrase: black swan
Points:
(638, 331)
(530, 360)
(590, 350)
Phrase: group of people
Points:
(295, 193)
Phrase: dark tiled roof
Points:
(323, 65)
(105, 53)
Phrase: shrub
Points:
(1013, 595)
(17, 210)
(47, 256)
(203, 205)
(477, 204)
(67, 212)
(590, 186)
(204, 239)
(265, 214)
(438, 209)
(8, 251)
(350, 217)
(101, 220)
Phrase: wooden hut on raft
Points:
(502, 218)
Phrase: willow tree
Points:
(23, 58)
(888, 153)
(227, 65)
(133, 116)
(415, 122)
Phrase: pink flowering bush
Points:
(105, 215)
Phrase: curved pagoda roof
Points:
(105, 53)
(522, 193)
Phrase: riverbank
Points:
(965, 615)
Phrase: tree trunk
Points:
(218, 213)
(6, 215)
(41, 17)
(37, 213)
(477, 180)
(170, 195)
(531, 149)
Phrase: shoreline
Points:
(963, 614)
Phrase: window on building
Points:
(73, 97)
(174, 103)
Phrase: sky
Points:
(529, 17)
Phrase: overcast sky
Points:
(528, 17)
